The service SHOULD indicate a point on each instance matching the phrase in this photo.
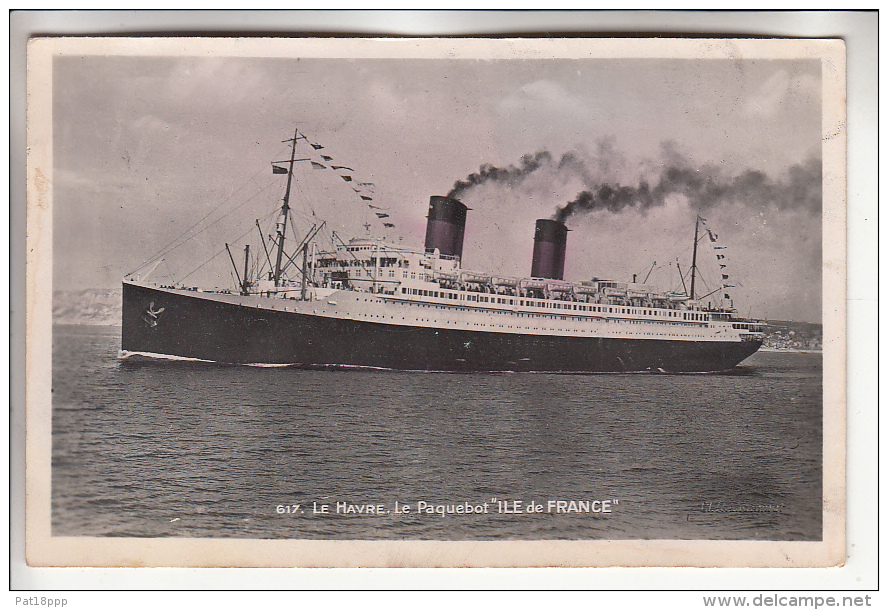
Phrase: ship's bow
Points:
(148, 323)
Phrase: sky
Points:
(145, 148)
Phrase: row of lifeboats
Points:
(479, 282)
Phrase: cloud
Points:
(91, 182)
(543, 96)
(781, 90)
(218, 81)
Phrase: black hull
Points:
(194, 327)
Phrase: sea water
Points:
(191, 449)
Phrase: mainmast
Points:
(285, 210)
(694, 259)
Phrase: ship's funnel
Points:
(549, 245)
(446, 226)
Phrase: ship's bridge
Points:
(376, 265)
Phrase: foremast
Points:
(281, 226)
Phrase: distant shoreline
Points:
(786, 350)
(103, 324)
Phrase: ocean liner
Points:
(372, 303)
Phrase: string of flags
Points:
(725, 276)
(363, 189)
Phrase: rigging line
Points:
(293, 230)
(164, 249)
(170, 271)
(211, 224)
(699, 277)
(296, 252)
(682, 251)
(264, 247)
(303, 244)
(201, 266)
(295, 264)
(244, 234)
(651, 270)
(339, 239)
(711, 293)
(227, 214)
(264, 218)
(169, 247)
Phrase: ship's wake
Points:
(129, 357)
(150, 357)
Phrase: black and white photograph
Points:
(419, 303)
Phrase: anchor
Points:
(152, 315)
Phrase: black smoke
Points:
(511, 175)
(705, 188)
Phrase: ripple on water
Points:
(220, 448)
